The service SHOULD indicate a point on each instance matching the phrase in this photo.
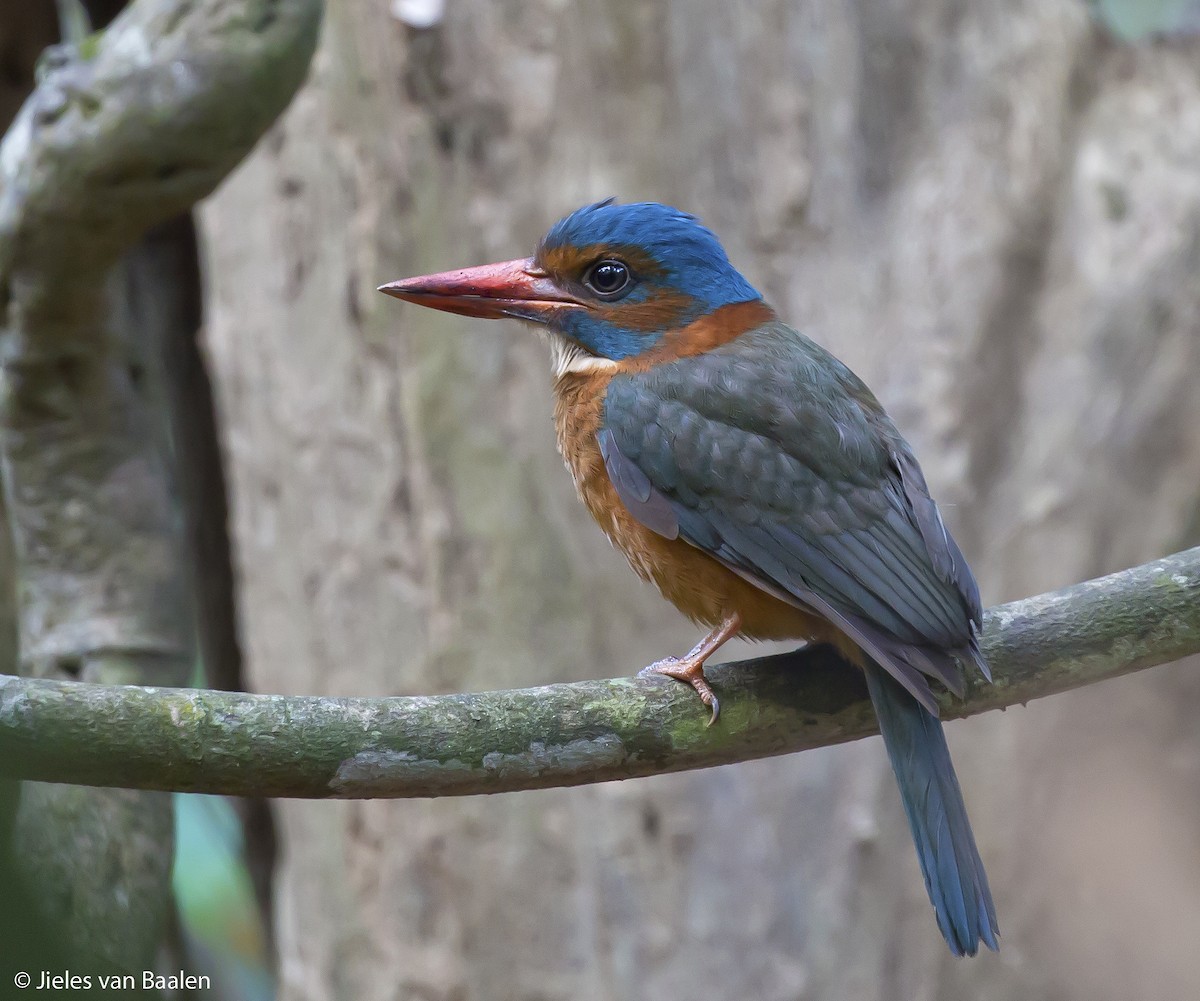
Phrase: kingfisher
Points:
(757, 482)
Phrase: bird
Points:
(757, 482)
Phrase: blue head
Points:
(640, 271)
(612, 279)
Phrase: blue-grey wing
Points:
(771, 456)
(638, 495)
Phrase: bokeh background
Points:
(989, 209)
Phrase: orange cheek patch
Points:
(569, 262)
(563, 260)
(660, 312)
(719, 327)
(664, 310)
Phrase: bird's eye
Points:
(607, 278)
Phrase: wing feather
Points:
(810, 493)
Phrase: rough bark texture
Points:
(989, 211)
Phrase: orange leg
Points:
(691, 667)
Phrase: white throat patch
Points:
(568, 358)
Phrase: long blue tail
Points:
(954, 875)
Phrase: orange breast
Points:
(695, 583)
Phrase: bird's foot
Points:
(691, 670)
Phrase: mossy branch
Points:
(126, 130)
(568, 734)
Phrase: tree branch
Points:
(131, 129)
(569, 734)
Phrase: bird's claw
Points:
(690, 672)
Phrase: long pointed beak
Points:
(512, 288)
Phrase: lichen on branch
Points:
(567, 734)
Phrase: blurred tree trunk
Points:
(86, 871)
(102, 394)
(988, 210)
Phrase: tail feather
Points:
(950, 862)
